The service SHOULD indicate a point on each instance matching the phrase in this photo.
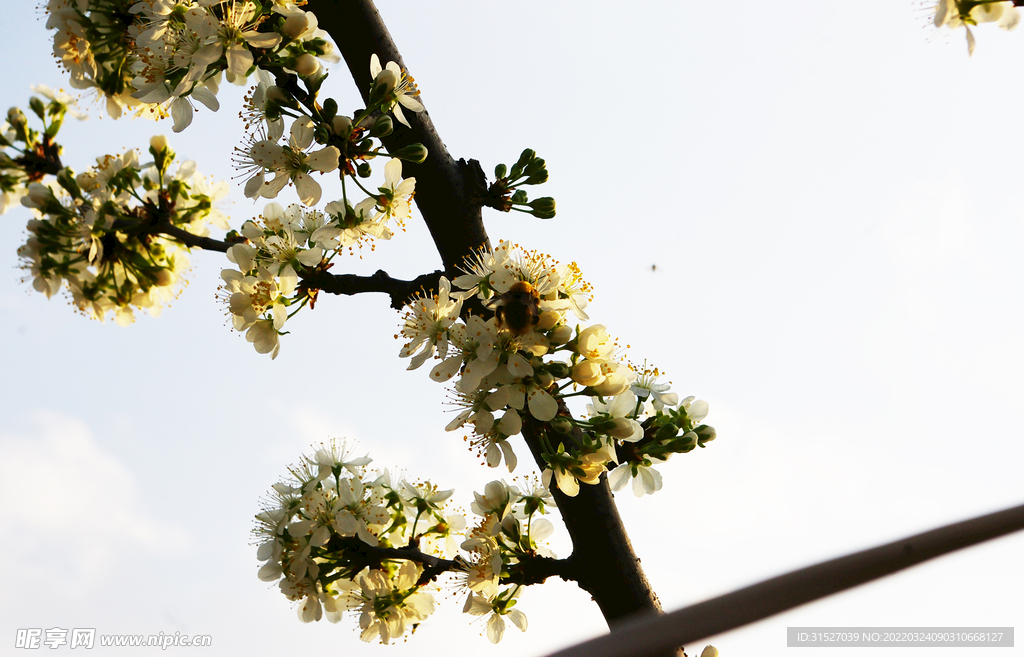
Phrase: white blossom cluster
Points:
(339, 538)
(156, 56)
(91, 234)
(282, 244)
(523, 363)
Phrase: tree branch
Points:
(448, 195)
(447, 192)
(400, 291)
(651, 636)
(190, 240)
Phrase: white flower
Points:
(953, 14)
(498, 607)
(427, 323)
(404, 91)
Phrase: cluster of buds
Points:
(339, 538)
(155, 56)
(100, 234)
(522, 364)
(506, 193)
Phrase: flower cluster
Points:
(155, 56)
(954, 14)
(99, 234)
(338, 538)
(284, 243)
(507, 533)
(520, 366)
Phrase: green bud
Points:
(543, 208)
(666, 433)
(329, 110)
(281, 97)
(525, 158)
(537, 178)
(37, 106)
(705, 434)
(342, 126)
(519, 197)
(321, 133)
(382, 127)
(500, 171)
(364, 170)
(559, 370)
(415, 153)
(561, 424)
(16, 118)
(544, 379)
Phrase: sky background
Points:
(806, 214)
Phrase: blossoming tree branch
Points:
(504, 326)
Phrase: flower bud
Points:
(709, 651)
(295, 25)
(561, 424)
(544, 379)
(667, 433)
(560, 334)
(158, 142)
(587, 373)
(36, 105)
(618, 427)
(414, 153)
(364, 170)
(16, 117)
(276, 94)
(543, 208)
(306, 65)
(613, 384)
(382, 127)
(547, 320)
(558, 370)
(39, 196)
(164, 277)
(342, 125)
(705, 434)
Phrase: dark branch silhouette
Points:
(653, 635)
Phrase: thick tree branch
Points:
(447, 192)
(620, 588)
(359, 555)
(400, 291)
(651, 636)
